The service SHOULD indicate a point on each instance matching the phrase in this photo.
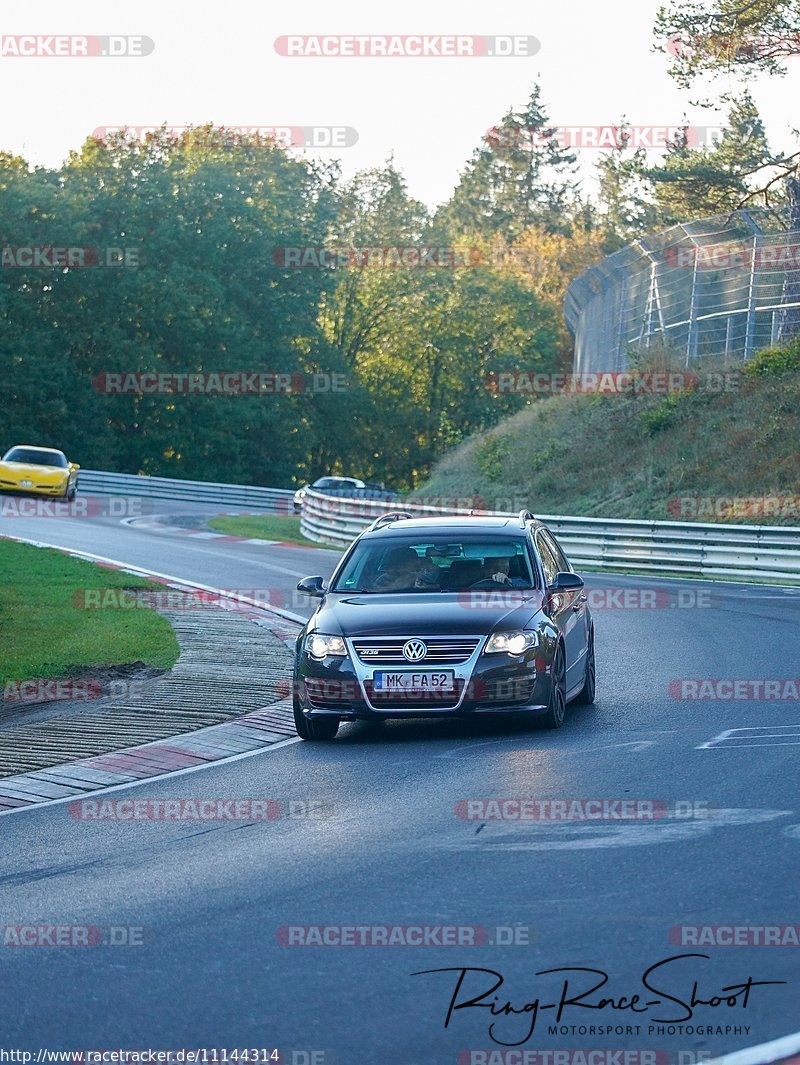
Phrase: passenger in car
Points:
(406, 571)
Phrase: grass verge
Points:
(44, 632)
(261, 527)
(694, 456)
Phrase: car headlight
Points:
(510, 643)
(319, 646)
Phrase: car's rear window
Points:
(438, 563)
(333, 482)
(34, 457)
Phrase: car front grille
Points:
(442, 650)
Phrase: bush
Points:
(774, 362)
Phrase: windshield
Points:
(444, 563)
(35, 457)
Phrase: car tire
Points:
(586, 695)
(557, 704)
(324, 728)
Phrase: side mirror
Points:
(74, 465)
(560, 589)
(566, 582)
(314, 586)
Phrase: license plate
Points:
(443, 681)
(26, 484)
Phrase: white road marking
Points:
(638, 745)
(763, 728)
(753, 736)
(765, 1054)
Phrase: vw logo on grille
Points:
(414, 650)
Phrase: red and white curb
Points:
(253, 733)
(264, 729)
(205, 534)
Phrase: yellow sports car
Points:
(38, 470)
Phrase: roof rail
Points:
(524, 517)
(388, 519)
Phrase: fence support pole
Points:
(750, 334)
(691, 339)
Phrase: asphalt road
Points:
(209, 901)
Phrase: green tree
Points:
(206, 295)
(625, 194)
(727, 37)
(694, 181)
(520, 176)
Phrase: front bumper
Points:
(34, 489)
(485, 684)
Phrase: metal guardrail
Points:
(750, 552)
(238, 495)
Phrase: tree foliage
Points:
(208, 290)
(519, 176)
(728, 37)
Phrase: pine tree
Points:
(520, 176)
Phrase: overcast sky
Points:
(215, 61)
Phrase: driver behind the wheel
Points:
(497, 570)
